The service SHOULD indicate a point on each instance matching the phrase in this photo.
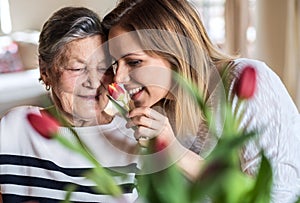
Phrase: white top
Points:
(35, 168)
(272, 111)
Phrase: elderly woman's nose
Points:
(93, 79)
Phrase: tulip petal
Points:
(116, 92)
(246, 84)
(44, 124)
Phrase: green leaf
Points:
(165, 186)
(261, 192)
(69, 190)
(298, 201)
(104, 183)
(67, 143)
(228, 147)
(238, 185)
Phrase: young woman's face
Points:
(147, 78)
(81, 87)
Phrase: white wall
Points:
(100, 6)
(270, 40)
(31, 14)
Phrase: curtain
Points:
(291, 72)
(236, 24)
(277, 41)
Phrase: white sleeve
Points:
(272, 111)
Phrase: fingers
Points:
(146, 111)
(145, 133)
(147, 117)
(148, 124)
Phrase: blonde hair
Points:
(174, 31)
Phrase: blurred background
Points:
(268, 30)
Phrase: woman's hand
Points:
(149, 124)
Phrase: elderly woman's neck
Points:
(101, 119)
(67, 119)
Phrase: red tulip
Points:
(116, 91)
(246, 84)
(159, 145)
(44, 124)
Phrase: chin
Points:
(86, 113)
(137, 104)
(141, 104)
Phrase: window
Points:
(5, 17)
(251, 31)
(212, 13)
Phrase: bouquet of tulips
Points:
(221, 179)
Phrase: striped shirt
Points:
(39, 169)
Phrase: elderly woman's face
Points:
(81, 87)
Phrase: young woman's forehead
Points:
(123, 43)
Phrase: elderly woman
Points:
(73, 66)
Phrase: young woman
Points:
(150, 40)
(74, 67)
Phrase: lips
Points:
(90, 97)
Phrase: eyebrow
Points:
(103, 60)
(129, 54)
(114, 60)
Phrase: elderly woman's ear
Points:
(44, 76)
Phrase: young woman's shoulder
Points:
(269, 84)
(271, 97)
(260, 66)
(272, 111)
(271, 108)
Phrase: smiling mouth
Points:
(90, 97)
(135, 91)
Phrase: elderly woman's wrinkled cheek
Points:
(65, 98)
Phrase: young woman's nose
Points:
(121, 74)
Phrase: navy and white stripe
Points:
(20, 174)
(34, 168)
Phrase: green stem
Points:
(125, 105)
